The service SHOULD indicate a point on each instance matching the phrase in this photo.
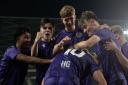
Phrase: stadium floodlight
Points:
(125, 32)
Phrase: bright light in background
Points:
(125, 32)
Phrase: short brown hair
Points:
(67, 10)
(45, 21)
(117, 29)
(88, 15)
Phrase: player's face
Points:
(118, 37)
(90, 25)
(69, 21)
(47, 31)
(25, 40)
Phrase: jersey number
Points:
(73, 52)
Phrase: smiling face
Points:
(68, 17)
(69, 22)
(47, 31)
(24, 40)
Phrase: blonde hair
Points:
(86, 15)
(67, 10)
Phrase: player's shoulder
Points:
(53, 40)
(62, 31)
(75, 52)
(10, 49)
(104, 33)
(102, 30)
(125, 46)
(60, 34)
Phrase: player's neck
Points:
(18, 46)
(46, 40)
(70, 29)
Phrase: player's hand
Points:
(65, 39)
(111, 46)
(38, 36)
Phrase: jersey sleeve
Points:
(100, 34)
(125, 50)
(11, 53)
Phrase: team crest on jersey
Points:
(78, 35)
(43, 45)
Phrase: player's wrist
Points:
(36, 40)
(59, 45)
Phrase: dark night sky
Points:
(105, 9)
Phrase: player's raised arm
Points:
(122, 59)
(98, 76)
(59, 46)
(34, 49)
(31, 59)
(88, 43)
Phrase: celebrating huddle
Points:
(78, 55)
